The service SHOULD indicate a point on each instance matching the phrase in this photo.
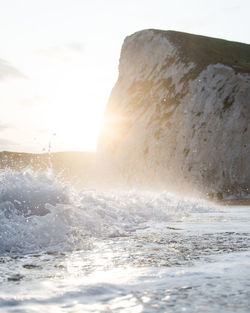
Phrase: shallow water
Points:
(89, 251)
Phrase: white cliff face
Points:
(171, 123)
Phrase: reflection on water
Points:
(119, 251)
(158, 268)
(220, 284)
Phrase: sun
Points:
(74, 126)
(73, 112)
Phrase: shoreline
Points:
(234, 202)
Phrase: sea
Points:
(64, 249)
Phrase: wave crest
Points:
(38, 212)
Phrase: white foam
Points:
(38, 212)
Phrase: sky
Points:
(59, 60)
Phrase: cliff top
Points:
(204, 50)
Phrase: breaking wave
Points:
(38, 212)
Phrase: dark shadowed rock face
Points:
(179, 114)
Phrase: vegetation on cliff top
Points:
(206, 50)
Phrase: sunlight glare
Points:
(74, 110)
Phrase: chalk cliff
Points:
(179, 114)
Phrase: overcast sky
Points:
(59, 60)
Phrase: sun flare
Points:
(73, 112)
(75, 126)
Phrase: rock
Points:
(179, 115)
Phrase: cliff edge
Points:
(179, 115)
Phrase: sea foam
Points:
(38, 212)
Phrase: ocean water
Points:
(63, 250)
